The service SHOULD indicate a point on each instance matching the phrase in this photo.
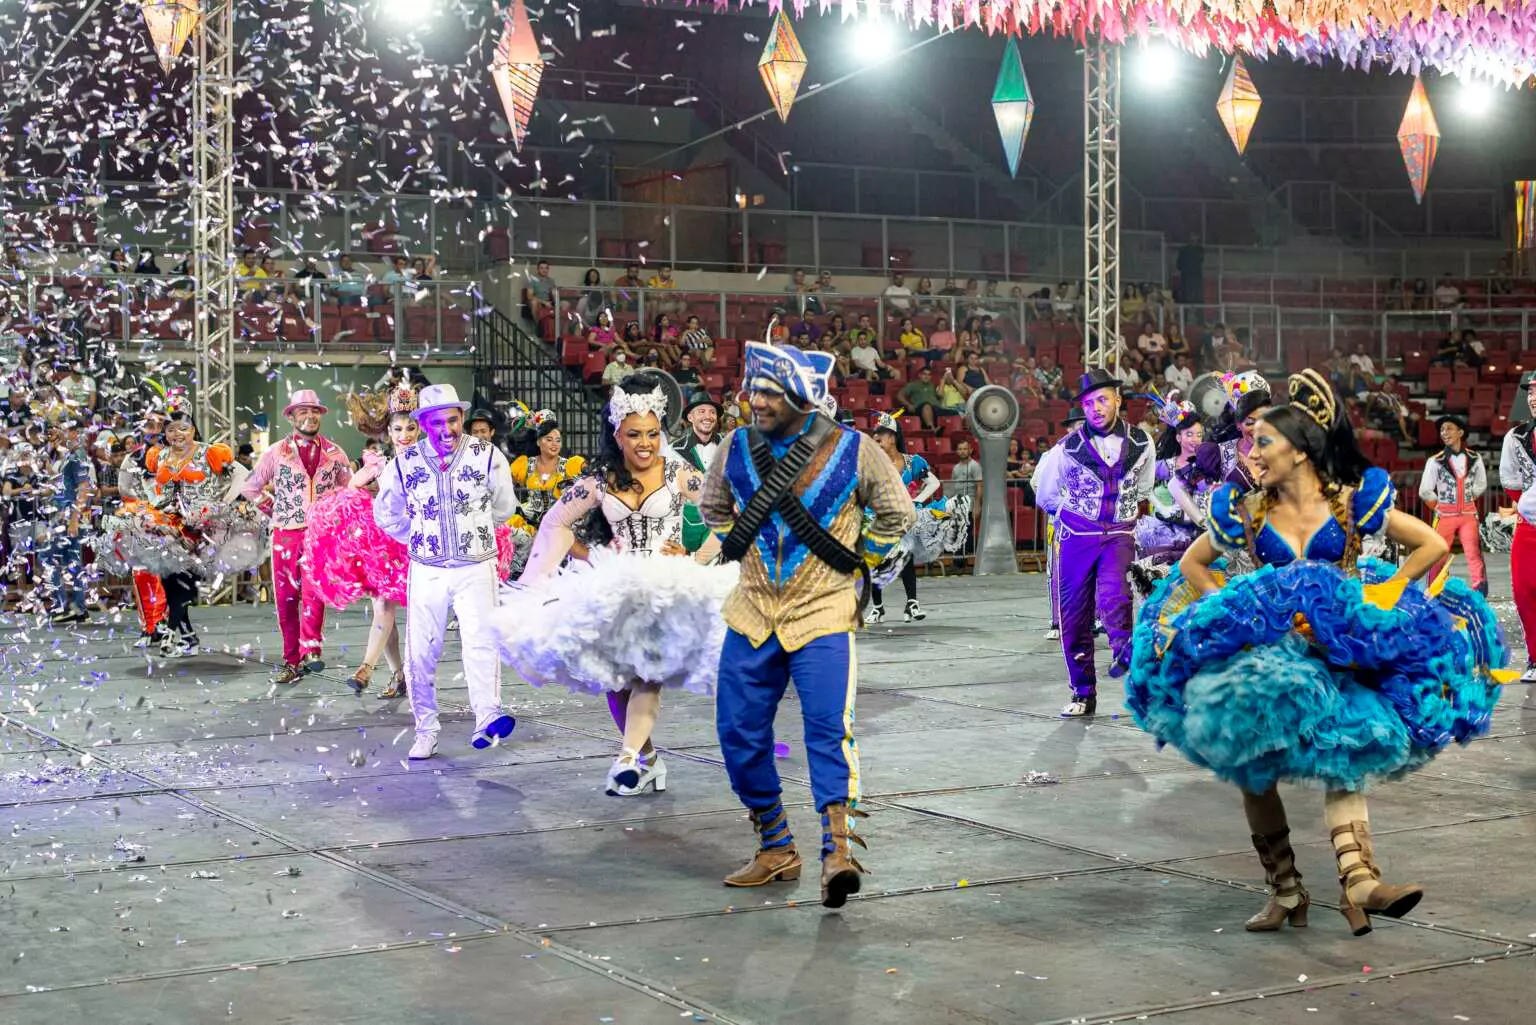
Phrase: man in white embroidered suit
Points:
(442, 498)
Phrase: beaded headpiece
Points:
(402, 400)
(626, 403)
(889, 421)
(178, 404)
(1173, 410)
(1238, 385)
(544, 416)
(1311, 393)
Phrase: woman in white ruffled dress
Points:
(640, 615)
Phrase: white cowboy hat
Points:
(438, 396)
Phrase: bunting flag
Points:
(1239, 104)
(1013, 105)
(516, 69)
(170, 24)
(782, 65)
(1497, 38)
(1419, 138)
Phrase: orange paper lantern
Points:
(170, 24)
(782, 65)
(1239, 104)
(1419, 139)
(516, 69)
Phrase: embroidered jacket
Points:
(446, 516)
(784, 589)
(1077, 476)
(1517, 460)
(293, 490)
(1454, 494)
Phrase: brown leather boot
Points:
(1288, 899)
(1358, 871)
(776, 860)
(840, 870)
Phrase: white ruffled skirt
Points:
(603, 625)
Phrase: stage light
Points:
(1475, 98)
(873, 40)
(1155, 67)
(406, 12)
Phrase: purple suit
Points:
(1094, 486)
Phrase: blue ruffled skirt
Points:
(1356, 693)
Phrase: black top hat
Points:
(1094, 379)
(1528, 378)
(481, 414)
(1074, 416)
(1451, 418)
(702, 399)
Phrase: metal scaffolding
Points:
(213, 221)
(1101, 203)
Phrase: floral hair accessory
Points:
(625, 404)
(889, 421)
(1238, 385)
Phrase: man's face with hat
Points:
(306, 420)
(481, 427)
(1101, 407)
(1451, 433)
(703, 419)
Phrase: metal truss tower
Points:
(213, 221)
(1101, 203)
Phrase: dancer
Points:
(1248, 397)
(348, 556)
(1095, 487)
(642, 617)
(1177, 505)
(188, 481)
(287, 480)
(788, 495)
(1073, 420)
(542, 475)
(134, 493)
(1454, 479)
(940, 526)
(1517, 472)
(1296, 672)
(442, 498)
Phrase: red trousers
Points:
(1522, 572)
(1465, 529)
(151, 599)
(300, 612)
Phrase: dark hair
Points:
(1227, 425)
(1334, 453)
(592, 277)
(901, 442)
(1168, 441)
(608, 464)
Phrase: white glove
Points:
(1526, 507)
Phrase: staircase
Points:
(512, 365)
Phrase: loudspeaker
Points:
(993, 415)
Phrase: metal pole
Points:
(213, 222)
(1101, 203)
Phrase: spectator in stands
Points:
(663, 289)
(1130, 371)
(1396, 296)
(250, 275)
(299, 287)
(633, 341)
(1020, 463)
(921, 397)
(1132, 304)
(802, 291)
(1191, 265)
(1502, 282)
(923, 294)
(71, 486)
(805, 324)
(942, 340)
(399, 273)
(591, 300)
(1052, 381)
(991, 336)
(600, 336)
(843, 366)
(824, 290)
(1152, 346)
(541, 297)
(1449, 352)
(1179, 375)
(969, 338)
(664, 335)
(1447, 295)
(1064, 303)
(1419, 298)
(864, 333)
(618, 368)
(837, 330)
(626, 294)
(424, 268)
(1362, 371)
(1023, 381)
(117, 262)
(687, 377)
(351, 282)
(865, 357)
(914, 341)
(777, 330)
(1473, 353)
(273, 273)
(953, 391)
(697, 341)
(898, 297)
(1387, 412)
(1211, 346)
(22, 490)
(77, 388)
(1178, 345)
(974, 375)
(146, 264)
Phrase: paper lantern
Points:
(782, 65)
(170, 24)
(516, 70)
(1239, 104)
(1419, 139)
(1013, 105)
(1525, 214)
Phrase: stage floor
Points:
(185, 845)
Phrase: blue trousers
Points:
(752, 683)
(66, 572)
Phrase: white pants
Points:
(470, 591)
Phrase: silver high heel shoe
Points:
(631, 775)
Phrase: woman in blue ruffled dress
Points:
(1317, 668)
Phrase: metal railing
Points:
(311, 315)
(510, 365)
